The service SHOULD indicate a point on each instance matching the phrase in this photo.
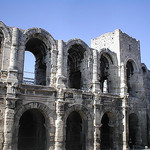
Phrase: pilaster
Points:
(96, 83)
(97, 123)
(13, 72)
(61, 79)
(59, 124)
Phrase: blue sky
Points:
(84, 19)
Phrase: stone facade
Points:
(82, 98)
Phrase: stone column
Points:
(21, 53)
(8, 124)
(13, 55)
(97, 122)
(48, 67)
(59, 124)
(123, 81)
(96, 83)
(124, 123)
(61, 80)
(124, 96)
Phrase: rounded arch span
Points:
(40, 33)
(82, 110)
(78, 42)
(108, 128)
(110, 55)
(111, 114)
(45, 111)
(135, 65)
(86, 124)
(136, 113)
(5, 31)
(144, 68)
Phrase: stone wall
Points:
(80, 98)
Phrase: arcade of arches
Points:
(81, 97)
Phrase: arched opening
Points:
(106, 133)
(1, 46)
(75, 57)
(133, 130)
(29, 68)
(105, 82)
(32, 132)
(38, 48)
(129, 74)
(75, 134)
(144, 70)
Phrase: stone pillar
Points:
(14, 48)
(48, 67)
(96, 83)
(21, 53)
(124, 95)
(8, 124)
(53, 67)
(124, 123)
(61, 80)
(59, 124)
(13, 55)
(123, 81)
(97, 122)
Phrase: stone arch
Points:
(108, 130)
(135, 65)
(144, 68)
(83, 111)
(77, 60)
(49, 40)
(107, 63)
(134, 130)
(86, 118)
(76, 41)
(111, 55)
(5, 43)
(40, 43)
(5, 31)
(131, 75)
(44, 110)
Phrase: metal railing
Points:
(29, 78)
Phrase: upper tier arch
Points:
(5, 31)
(78, 42)
(47, 38)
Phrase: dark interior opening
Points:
(75, 136)
(32, 133)
(144, 70)
(104, 68)
(75, 57)
(106, 134)
(129, 74)
(133, 130)
(38, 48)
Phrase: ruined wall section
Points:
(130, 51)
(129, 48)
(108, 40)
(109, 43)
